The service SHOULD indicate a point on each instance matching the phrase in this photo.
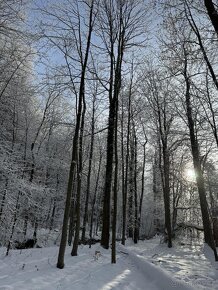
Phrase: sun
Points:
(190, 174)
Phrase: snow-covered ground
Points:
(193, 264)
(146, 266)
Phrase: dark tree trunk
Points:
(52, 215)
(3, 198)
(54, 203)
(131, 190)
(211, 10)
(208, 234)
(89, 173)
(136, 225)
(95, 196)
(35, 231)
(198, 35)
(114, 223)
(142, 186)
(79, 183)
(105, 236)
(123, 180)
(127, 164)
(164, 124)
(14, 222)
(71, 229)
(60, 262)
(166, 191)
(114, 90)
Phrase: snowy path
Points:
(138, 268)
(35, 270)
(192, 264)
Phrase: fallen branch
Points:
(192, 226)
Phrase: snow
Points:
(146, 266)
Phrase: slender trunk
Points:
(60, 262)
(131, 190)
(3, 198)
(127, 164)
(208, 234)
(114, 223)
(166, 191)
(123, 180)
(53, 214)
(79, 180)
(142, 186)
(95, 197)
(136, 226)
(55, 203)
(115, 85)
(197, 33)
(105, 234)
(35, 231)
(89, 173)
(72, 212)
(14, 223)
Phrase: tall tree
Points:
(208, 234)
(120, 23)
(64, 45)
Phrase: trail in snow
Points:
(192, 264)
(35, 269)
(146, 266)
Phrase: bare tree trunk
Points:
(79, 180)
(13, 223)
(89, 172)
(3, 198)
(114, 223)
(123, 180)
(105, 234)
(54, 203)
(208, 234)
(136, 226)
(142, 186)
(131, 190)
(94, 198)
(60, 263)
(211, 10)
(198, 35)
(166, 191)
(72, 211)
(127, 162)
(164, 125)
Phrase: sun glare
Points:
(190, 174)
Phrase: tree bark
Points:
(208, 234)
(95, 196)
(114, 222)
(142, 186)
(211, 10)
(136, 225)
(79, 183)
(89, 173)
(127, 162)
(60, 263)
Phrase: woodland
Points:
(108, 112)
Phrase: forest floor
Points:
(146, 266)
